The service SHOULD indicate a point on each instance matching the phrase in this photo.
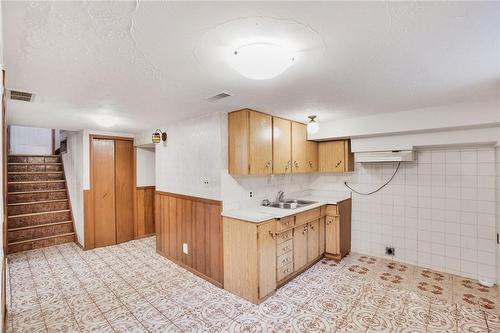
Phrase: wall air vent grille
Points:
(20, 95)
(218, 97)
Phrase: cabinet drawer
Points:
(284, 247)
(331, 210)
(284, 259)
(307, 216)
(284, 236)
(284, 271)
(285, 223)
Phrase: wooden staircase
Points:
(39, 212)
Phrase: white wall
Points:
(145, 166)
(73, 170)
(30, 141)
(192, 156)
(438, 212)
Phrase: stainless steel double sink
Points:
(292, 204)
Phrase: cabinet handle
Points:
(338, 163)
(296, 164)
(273, 234)
(312, 227)
(311, 164)
(305, 230)
(288, 164)
(268, 164)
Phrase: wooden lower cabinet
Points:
(250, 258)
(299, 248)
(259, 257)
(312, 240)
(338, 229)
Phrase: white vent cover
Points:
(17, 95)
(218, 97)
(386, 156)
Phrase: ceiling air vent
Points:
(218, 97)
(20, 95)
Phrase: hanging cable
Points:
(381, 187)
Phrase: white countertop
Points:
(259, 214)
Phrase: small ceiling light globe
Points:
(261, 61)
(312, 125)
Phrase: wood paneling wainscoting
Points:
(145, 209)
(194, 221)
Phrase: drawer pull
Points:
(273, 234)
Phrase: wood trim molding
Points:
(110, 137)
(188, 197)
(136, 217)
(145, 187)
(88, 220)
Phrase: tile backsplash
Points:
(438, 212)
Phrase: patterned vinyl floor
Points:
(130, 288)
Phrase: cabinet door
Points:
(282, 146)
(103, 188)
(267, 259)
(312, 156)
(322, 235)
(238, 142)
(299, 247)
(299, 148)
(331, 156)
(332, 235)
(312, 241)
(125, 186)
(261, 143)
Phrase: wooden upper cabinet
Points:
(335, 156)
(312, 156)
(250, 147)
(299, 148)
(282, 145)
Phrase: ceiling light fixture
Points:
(262, 60)
(106, 120)
(312, 125)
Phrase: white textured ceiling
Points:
(142, 61)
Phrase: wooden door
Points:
(332, 235)
(124, 174)
(267, 259)
(282, 146)
(312, 156)
(331, 156)
(299, 247)
(299, 148)
(261, 144)
(312, 241)
(103, 191)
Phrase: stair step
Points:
(36, 202)
(36, 219)
(36, 196)
(32, 172)
(39, 225)
(39, 213)
(42, 238)
(50, 163)
(39, 181)
(41, 191)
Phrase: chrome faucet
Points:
(280, 196)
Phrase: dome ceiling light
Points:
(261, 60)
(312, 125)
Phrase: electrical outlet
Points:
(185, 248)
(250, 194)
(205, 182)
(390, 250)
